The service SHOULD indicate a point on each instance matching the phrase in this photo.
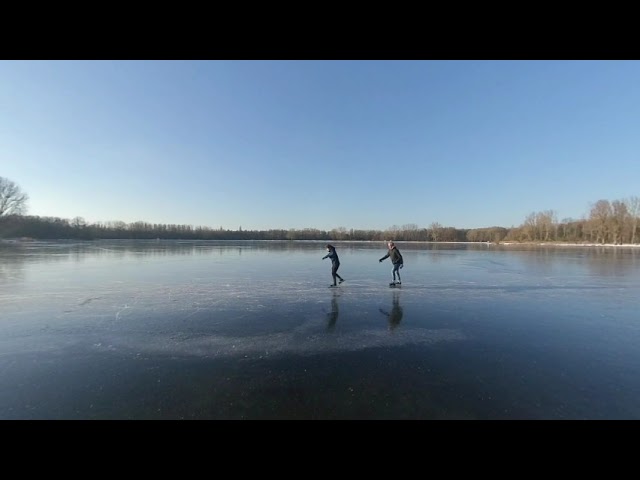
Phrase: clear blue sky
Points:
(320, 144)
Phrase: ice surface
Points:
(469, 323)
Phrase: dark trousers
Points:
(334, 272)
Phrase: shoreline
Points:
(13, 241)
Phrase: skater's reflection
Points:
(395, 315)
(332, 316)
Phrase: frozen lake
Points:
(250, 330)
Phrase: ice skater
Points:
(396, 260)
(335, 264)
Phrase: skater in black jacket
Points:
(335, 263)
(396, 260)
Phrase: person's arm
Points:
(386, 256)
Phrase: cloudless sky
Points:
(320, 144)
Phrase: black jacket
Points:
(396, 256)
(333, 255)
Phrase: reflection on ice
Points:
(396, 312)
(332, 316)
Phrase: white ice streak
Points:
(286, 342)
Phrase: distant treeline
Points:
(608, 222)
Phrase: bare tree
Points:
(392, 232)
(339, 233)
(633, 206)
(618, 220)
(13, 201)
(410, 231)
(529, 229)
(545, 222)
(78, 222)
(436, 229)
(599, 217)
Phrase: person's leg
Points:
(341, 279)
(394, 271)
(334, 274)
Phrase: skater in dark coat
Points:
(396, 260)
(335, 264)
